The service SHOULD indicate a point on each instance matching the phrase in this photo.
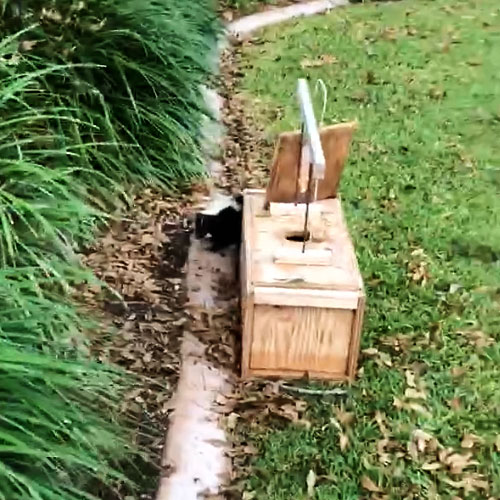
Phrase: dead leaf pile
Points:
(141, 304)
(246, 154)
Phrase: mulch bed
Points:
(142, 310)
(246, 152)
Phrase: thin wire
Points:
(321, 83)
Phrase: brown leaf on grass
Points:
(397, 403)
(383, 456)
(477, 338)
(343, 442)
(410, 379)
(456, 462)
(320, 61)
(311, 483)
(458, 371)
(411, 405)
(228, 15)
(344, 417)
(379, 418)
(455, 404)
(417, 267)
(497, 443)
(289, 412)
(369, 485)
(27, 45)
(381, 358)
(411, 393)
(469, 483)
(431, 466)
(469, 440)
(422, 442)
(232, 420)
(418, 408)
(249, 495)
(390, 34)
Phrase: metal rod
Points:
(308, 201)
(299, 161)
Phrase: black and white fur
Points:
(222, 220)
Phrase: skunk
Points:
(222, 220)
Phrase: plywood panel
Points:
(335, 141)
(301, 338)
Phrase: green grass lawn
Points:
(421, 191)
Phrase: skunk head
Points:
(221, 218)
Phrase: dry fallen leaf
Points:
(458, 371)
(320, 61)
(410, 378)
(469, 440)
(477, 338)
(344, 417)
(231, 420)
(369, 485)
(383, 456)
(455, 461)
(469, 483)
(431, 466)
(228, 15)
(411, 393)
(311, 482)
(421, 438)
(379, 418)
(497, 443)
(343, 442)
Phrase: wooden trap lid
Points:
(335, 141)
(275, 261)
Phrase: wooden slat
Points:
(296, 374)
(247, 299)
(356, 338)
(329, 299)
(313, 257)
(281, 209)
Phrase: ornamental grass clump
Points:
(97, 99)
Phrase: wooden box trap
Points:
(302, 292)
